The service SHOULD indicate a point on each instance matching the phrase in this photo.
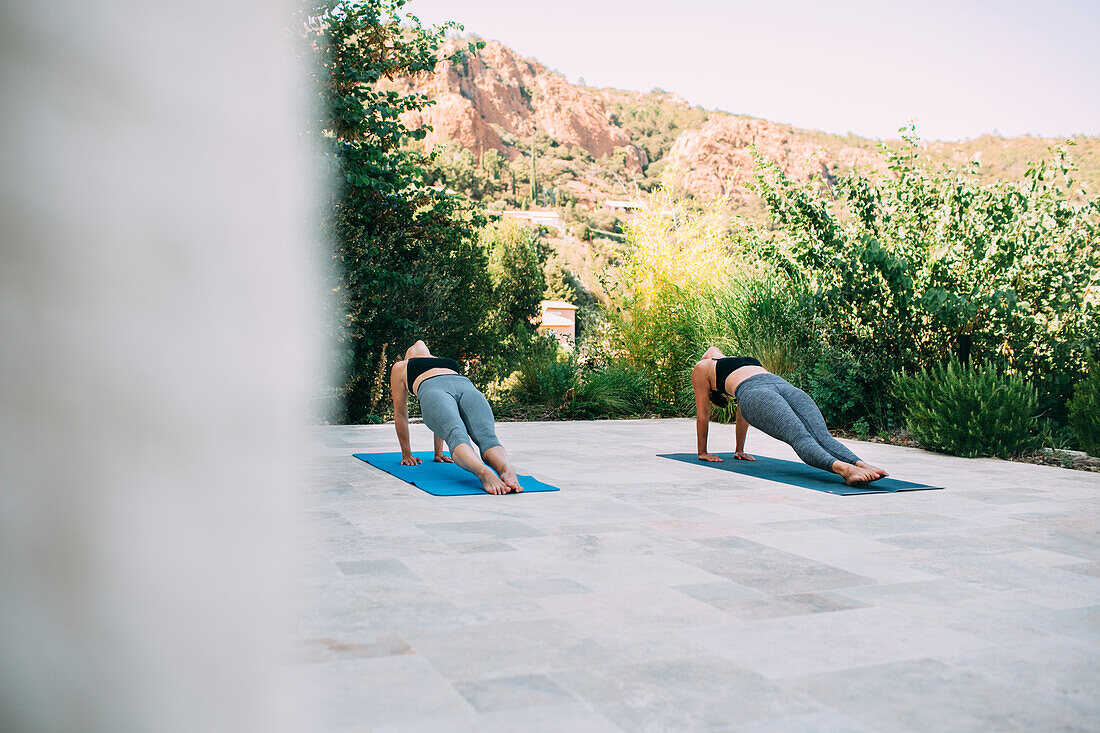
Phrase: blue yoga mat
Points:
(440, 479)
(799, 474)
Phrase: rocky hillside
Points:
(716, 158)
(497, 100)
(593, 144)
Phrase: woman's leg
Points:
(439, 408)
(766, 409)
(478, 418)
(808, 411)
(439, 402)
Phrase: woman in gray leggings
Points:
(456, 412)
(771, 404)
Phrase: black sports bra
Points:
(420, 364)
(727, 365)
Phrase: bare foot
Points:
(881, 473)
(511, 480)
(491, 482)
(855, 475)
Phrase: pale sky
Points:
(959, 69)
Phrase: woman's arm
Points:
(701, 386)
(401, 416)
(439, 457)
(740, 432)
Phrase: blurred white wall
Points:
(155, 296)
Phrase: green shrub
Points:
(1056, 435)
(1084, 410)
(544, 379)
(861, 428)
(969, 412)
(849, 388)
(617, 391)
(556, 387)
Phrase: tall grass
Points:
(768, 317)
(554, 385)
(691, 285)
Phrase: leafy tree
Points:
(921, 264)
(456, 168)
(517, 259)
(406, 257)
(654, 121)
(493, 164)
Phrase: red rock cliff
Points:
(483, 99)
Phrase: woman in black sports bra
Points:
(456, 412)
(771, 404)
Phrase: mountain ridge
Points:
(594, 143)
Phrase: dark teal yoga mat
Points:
(798, 474)
(440, 479)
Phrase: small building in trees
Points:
(560, 319)
(624, 205)
(551, 219)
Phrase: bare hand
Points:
(410, 461)
(440, 458)
(741, 456)
(709, 457)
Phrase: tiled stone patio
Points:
(655, 595)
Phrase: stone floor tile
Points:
(1042, 558)
(875, 525)
(818, 544)
(790, 605)
(478, 547)
(1077, 623)
(649, 608)
(1091, 569)
(573, 717)
(772, 571)
(488, 529)
(569, 717)
(385, 569)
(349, 644)
(541, 587)
(502, 693)
(884, 567)
(810, 723)
(605, 572)
(683, 694)
(1065, 673)
(928, 599)
(503, 649)
(833, 641)
(928, 695)
(719, 593)
(748, 513)
(367, 693)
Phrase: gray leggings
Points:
(454, 410)
(783, 411)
